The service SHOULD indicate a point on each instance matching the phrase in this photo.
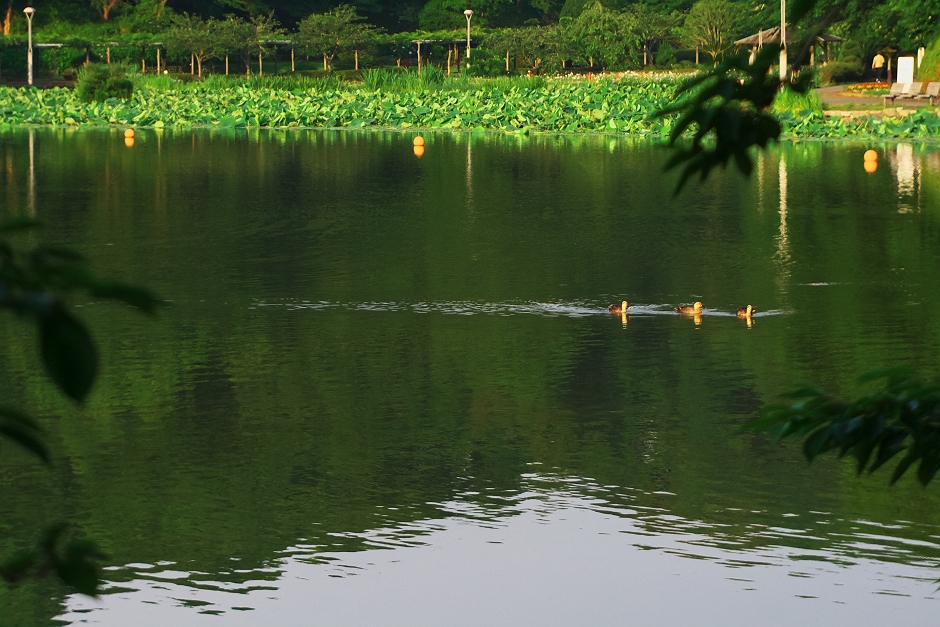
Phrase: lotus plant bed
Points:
(622, 107)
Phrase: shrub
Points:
(791, 102)
(930, 67)
(99, 82)
(838, 72)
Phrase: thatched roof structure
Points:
(772, 36)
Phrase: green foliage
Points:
(98, 82)
(790, 101)
(333, 32)
(729, 108)
(902, 417)
(74, 561)
(623, 106)
(35, 286)
(712, 25)
(929, 69)
(192, 35)
(839, 72)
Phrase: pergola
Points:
(452, 50)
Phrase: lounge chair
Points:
(913, 92)
(896, 90)
(932, 93)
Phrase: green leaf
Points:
(15, 226)
(68, 352)
(132, 295)
(23, 430)
(16, 568)
(80, 568)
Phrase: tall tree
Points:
(712, 26)
(193, 35)
(334, 32)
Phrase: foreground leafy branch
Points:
(35, 286)
(729, 109)
(902, 417)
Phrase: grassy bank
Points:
(528, 105)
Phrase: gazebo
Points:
(772, 36)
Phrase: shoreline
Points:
(647, 137)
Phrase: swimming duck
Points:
(619, 309)
(690, 310)
(745, 312)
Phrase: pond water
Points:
(386, 390)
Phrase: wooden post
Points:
(357, 60)
(696, 55)
(645, 55)
(399, 63)
(449, 53)
(812, 56)
(324, 62)
(260, 65)
(419, 58)
(226, 65)
(507, 62)
(108, 54)
(158, 59)
(192, 64)
(291, 59)
(143, 66)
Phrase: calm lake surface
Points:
(386, 391)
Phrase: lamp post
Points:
(468, 14)
(783, 40)
(29, 45)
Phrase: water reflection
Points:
(384, 376)
(507, 546)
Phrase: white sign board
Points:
(905, 70)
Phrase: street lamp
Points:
(468, 13)
(29, 46)
(783, 41)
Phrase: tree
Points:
(193, 35)
(334, 32)
(603, 36)
(104, 7)
(237, 37)
(649, 27)
(35, 286)
(712, 26)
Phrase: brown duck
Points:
(619, 309)
(745, 312)
(694, 309)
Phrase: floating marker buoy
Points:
(871, 155)
(419, 141)
(871, 165)
(129, 141)
(129, 132)
(419, 150)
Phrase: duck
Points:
(618, 309)
(694, 309)
(745, 312)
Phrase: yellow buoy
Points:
(871, 165)
(419, 141)
(419, 150)
(871, 155)
(129, 132)
(129, 141)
